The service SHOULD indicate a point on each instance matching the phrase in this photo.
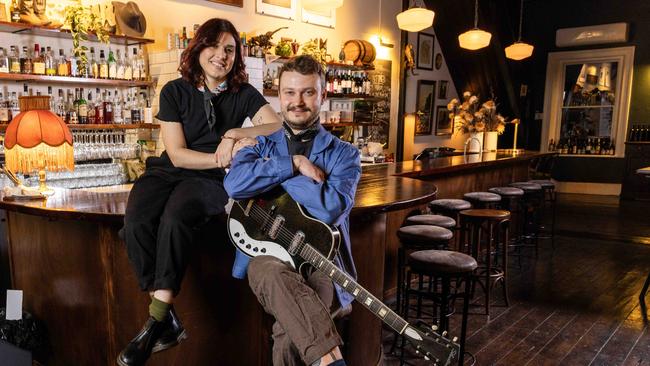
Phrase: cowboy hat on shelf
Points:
(130, 20)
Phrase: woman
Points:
(201, 115)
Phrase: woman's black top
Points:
(182, 102)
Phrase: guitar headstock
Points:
(437, 348)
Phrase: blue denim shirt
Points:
(257, 169)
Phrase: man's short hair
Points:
(305, 65)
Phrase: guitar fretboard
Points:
(362, 295)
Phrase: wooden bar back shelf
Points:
(151, 126)
(47, 79)
(22, 28)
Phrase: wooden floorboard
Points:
(576, 304)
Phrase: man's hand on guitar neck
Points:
(305, 167)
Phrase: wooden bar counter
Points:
(65, 253)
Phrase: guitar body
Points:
(254, 239)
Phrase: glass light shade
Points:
(519, 51)
(321, 5)
(474, 39)
(415, 19)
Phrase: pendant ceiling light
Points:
(321, 5)
(475, 39)
(519, 50)
(416, 18)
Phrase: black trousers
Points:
(165, 205)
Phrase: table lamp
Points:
(38, 140)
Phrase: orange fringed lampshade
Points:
(38, 134)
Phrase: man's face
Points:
(301, 97)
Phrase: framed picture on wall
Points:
(444, 124)
(426, 95)
(239, 3)
(424, 52)
(442, 89)
(325, 18)
(277, 8)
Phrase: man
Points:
(321, 173)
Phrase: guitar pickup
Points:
(249, 205)
(276, 225)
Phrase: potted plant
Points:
(478, 120)
(82, 20)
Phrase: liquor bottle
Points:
(50, 63)
(14, 106)
(126, 110)
(135, 65)
(267, 82)
(38, 63)
(144, 76)
(52, 100)
(63, 69)
(99, 108)
(117, 109)
(73, 64)
(135, 111)
(4, 110)
(551, 145)
(183, 38)
(82, 107)
(91, 109)
(93, 65)
(108, 109)
(26, 62)
(15, 11)
(148, 113)
(14, 60)
(120, 66)
(276, 81)
(103, 66)
(60, 105)
(597, 146)
(128, 66)
(112, 65)
(4, 61)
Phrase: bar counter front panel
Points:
(67, 257)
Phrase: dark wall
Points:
(488, 70)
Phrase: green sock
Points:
(158, 309)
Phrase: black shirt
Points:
(182, 102)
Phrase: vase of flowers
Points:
(475, 118)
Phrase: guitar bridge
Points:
(249, 205)
(276, 225)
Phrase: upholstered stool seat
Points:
(435, 220)
(545, 183)
(449, 204)
(527, 186)
(507, 191)
(441, 261)
(482, 199)
(422, 234)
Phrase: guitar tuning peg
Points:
(444, 334)
(417, 352)
(455, 339)
(426, 358)
(434, 327)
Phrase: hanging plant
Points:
(81, 21)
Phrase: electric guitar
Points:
(274, 224)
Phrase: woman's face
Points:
(217, 61)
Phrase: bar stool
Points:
(450, 207)
(548, 188)
(530, 205)
(494, 223)
(445, 266)
(417, 237)
(483, 199)
(510, 197)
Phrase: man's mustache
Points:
(298, 107)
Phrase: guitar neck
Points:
(360, 294)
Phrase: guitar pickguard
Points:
(252, 247)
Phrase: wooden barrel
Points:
(359, 52)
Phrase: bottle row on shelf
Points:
(639, 133)
(129, 107)
(337, 82)
(583, 146)
(43, 61)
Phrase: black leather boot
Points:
(137, 352)
(173, 334)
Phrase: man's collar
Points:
(321, 141)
